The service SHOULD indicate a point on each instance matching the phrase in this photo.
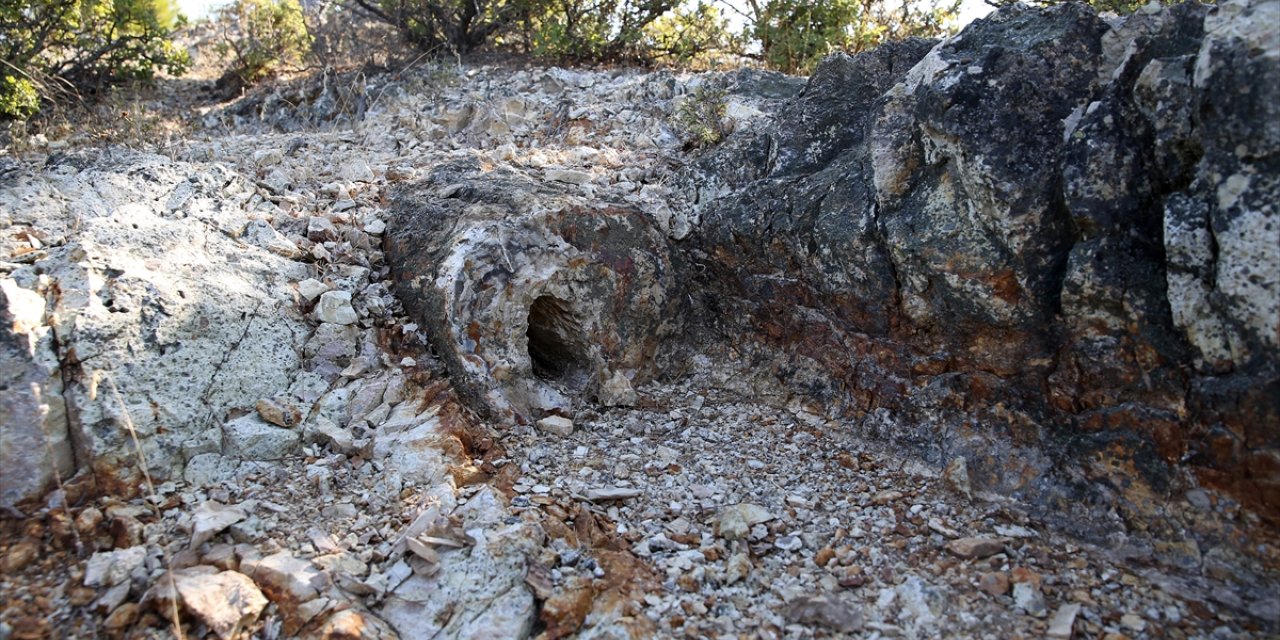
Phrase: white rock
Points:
(251, 438)
(1060, 625)
(210, 518)
(617, 392)
(267, 157)
(357, 171)
(1027, 597)
(260, 233)
(227, 603)
(612, 493)
(569, 176)
(556, 425)
(110, 568)
(310, 289)
(735, 521)
(284, 577)
(335, 308)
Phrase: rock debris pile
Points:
(974, 338)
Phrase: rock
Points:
(279, 411)
(735, 521)
(357, 171)
(827, 611)
(957, 475)
(824, 556)
(737, 568)
(211, 518)
(320, 229)
(617, 392)
(20, 556)
(566, 310)
(351, 624)
(174, 318)
(612, 493)
(122, 618)
(565, 610)
(1027, 597)
(110, 568)
(967, 257)
(286, 579)
(34, 438)
(1060, 625)
(227, 602)
(970, 548)
(569, 176)
(995, 583)
(335, 307)
(1133, 622)
(310, 289)
(267, 157)
(260, 233)
(789, 543)
(556, 425)
(250, 438)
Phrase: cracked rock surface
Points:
(925, 349)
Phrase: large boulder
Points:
(1048, 245)
(535, 294)
(135, 304)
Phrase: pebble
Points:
(556, 425)
(335, 307)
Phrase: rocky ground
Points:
(319, 477)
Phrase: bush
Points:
(53, 47)
(262, 36)
(700, 118)
(597, 30)
(690, 37)
(795, 34)
(455, 26)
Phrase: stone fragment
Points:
(564, 612)
(122, 618)
(617, 392)
(286, 579)
(612, 493)
(737, 568)
(823, 556)
(735, 521)
(310, 289)
(1063, 620)
(335, 307)
(569, 176)
(227, 602)
(211, 518)
(250, 438)
(267, 157)
(1027, 596)
(995, 583)
(279, 411)
(970, 548)
(357, 171)
(957, 476)
(20, 556)
(825, 610)
(110, 568)
(320, 229)
(556, 425)
(350, 624)
(261, 234)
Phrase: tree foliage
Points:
(795, 34)
(50, 46)
(262, 36)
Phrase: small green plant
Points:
(700, 118)
(18, 98)
(262, 36)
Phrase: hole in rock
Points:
(556, 345)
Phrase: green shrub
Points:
(700, 117)
(55, 47)
(454, 26)
(262, 36)
(690, 37)
(18, 98)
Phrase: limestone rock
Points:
(110, 568)
(565, 303)
(286, 579)
(556, 425)
(970, 548)
(251, 438)
(734, 521)
(335, 307)
(226, 602)
(210, 519)
(617, 392)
